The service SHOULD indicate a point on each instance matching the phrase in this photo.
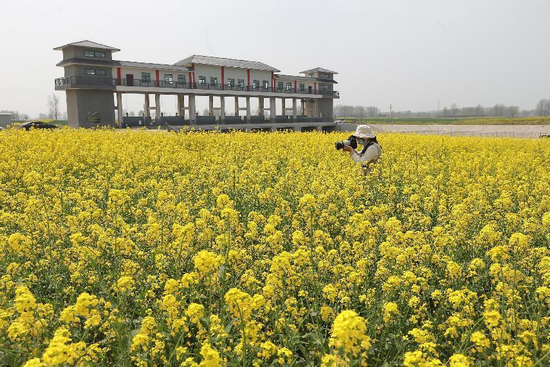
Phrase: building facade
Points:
(94, 83)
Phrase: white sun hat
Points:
(364, 131)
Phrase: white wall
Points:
(137, 73)
(5, 120)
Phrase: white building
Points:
(5, 119)
(92, 77)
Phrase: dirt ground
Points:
(517, 131)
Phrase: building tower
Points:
(88, 83)
(321, 108)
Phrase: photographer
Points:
(371, 151)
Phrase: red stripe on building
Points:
(272, 79)
(223, 77)
(248, 75)
(191, 79)
(315, 87)
(119, 76)
(295, 87)
(158, 77)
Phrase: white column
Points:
(211, 106)
(236, 106)
(247, 109)
(222, 109)
(294, 110)
(157, 107)
(272, 109)
(147, 111)
(283, 106)
(119, 109)
(181, 105)
(261, 106)
(192, 113)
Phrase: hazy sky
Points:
(411, 54)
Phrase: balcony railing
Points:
(84, 81)
(76, 81)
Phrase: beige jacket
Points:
(371, 155)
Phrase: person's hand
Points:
(347, 148)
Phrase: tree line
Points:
(499, 110)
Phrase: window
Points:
(280, 85)
(311, 75)
(96, 72)
(256, 84)
(265, 84)
(202, 80)
(288, 86)
(146, 77)
(302, 86)
(94, 53)
(230, 82)
(213, 80)
(181, 79)
(241, 83)
(168, 78)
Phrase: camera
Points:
(351, 141)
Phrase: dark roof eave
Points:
(76, 60)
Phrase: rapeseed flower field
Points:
(268, 249)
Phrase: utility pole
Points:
(391, 115)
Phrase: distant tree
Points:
(513, 111)
(43, 116)
(205, 112)
(16, 115)
(359, 111)
(479, 110)
(542, 107)
(445, 111)
(454, 109)
(53, 104)
(372, 111)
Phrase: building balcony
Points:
(97, 82)
(85, 82)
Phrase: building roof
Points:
(320, 70)
(221, 61)
(304, 78)
(147, 65)
(89, 44)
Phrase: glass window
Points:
(88, 53)
(146, 77)
(95, 72)
(302, 86)
(241, 82)
(202, 80)
(231, 82)
(311, 75)
(213, 80)
(168, 78)
(256, 84)
(288, 86)
(280, 85)
(181, 79)
(265, 84)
